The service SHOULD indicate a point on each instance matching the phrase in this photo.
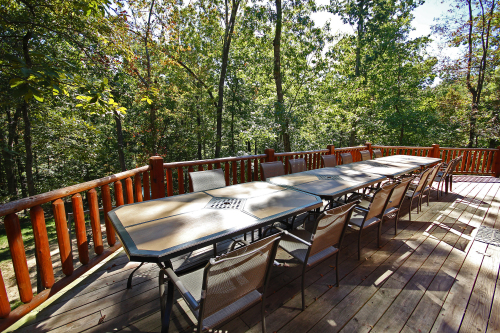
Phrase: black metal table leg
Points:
(129, 282)
(166, 301)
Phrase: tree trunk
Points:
(9, 155)
(280, 103)
(198, 133)
(225, 56)
(119, 137)
(27, 124)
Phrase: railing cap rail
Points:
(210, 161)
(308, 152)
(39, 199)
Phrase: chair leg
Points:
(263, 315)
(409, 210)
(303, 287)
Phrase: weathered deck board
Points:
(431, 276)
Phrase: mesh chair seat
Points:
(358, 217)
(298, 249)
(232, 310)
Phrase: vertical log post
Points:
(180, 180)
(226, 173)
(496, 167)
(269, 154)
(331, 149)
(4, 300)
(129, 190)
(63, 237)
(80, 230)
(157, 178)
(42, 246)
(107, 207)
(435, 150)
(369, 148)
(16, 246)
(138, 188)
(118, 193)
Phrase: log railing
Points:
(136, 189)
(156, 180)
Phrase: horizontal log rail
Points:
(157, 180)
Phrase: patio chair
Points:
(444, 174)
(363, 217)
(329, 161)
(319, 240)
(415, 190)
(377, 153)
(227, 286)
(271, 169)
(430, 180)
(365, 155)
(396, 200)
(207, 180)
(346, 158)
(297, 165)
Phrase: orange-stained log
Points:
(118, 193)
(170, 182)
(180, 180)
(226, 173)
(42, 246)
(4, 300)
(145, 185)
(80, 230)
(138, 188)
(129, 190)
(107, 206)
(16, 246)
(242, 171)
(63, 237)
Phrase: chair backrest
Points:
(379, 201)
(423, 179)
(346, 158)
(365, 155)
(329, 228)
(433, 174)
(234, 275)
(272, 169)
(377, 153)
(329, 161)
(398, 193)
(297, 165)
(207, 180)
(455, 162)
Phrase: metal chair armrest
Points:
(193, 304)
(297, 238)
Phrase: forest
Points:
(94, 87)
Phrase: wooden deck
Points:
(430, 277)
